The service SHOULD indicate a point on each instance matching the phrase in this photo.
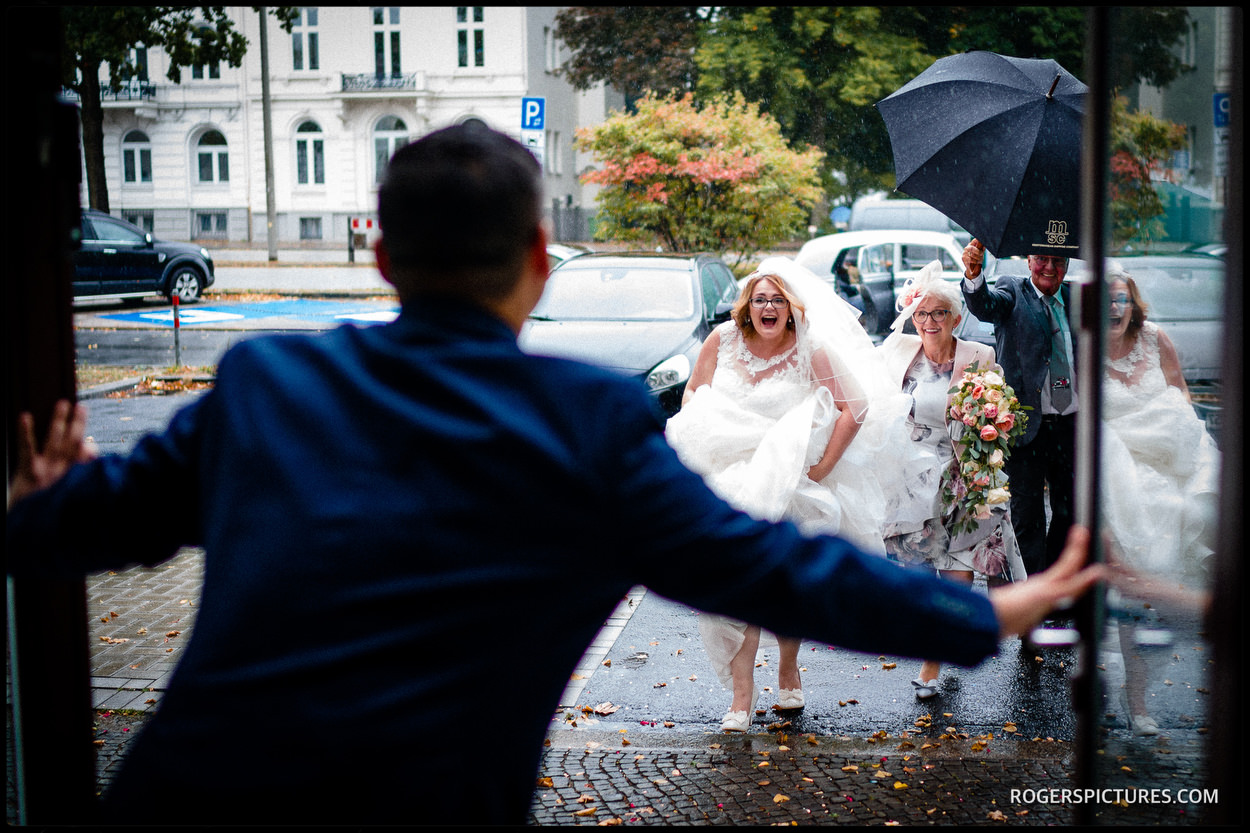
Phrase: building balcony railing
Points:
(365, 82)
(132, 91)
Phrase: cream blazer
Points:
(899, 350)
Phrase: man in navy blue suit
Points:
(1036, 346)
(381, 506)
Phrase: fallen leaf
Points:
(780, 799)
(668, 724)
(889, 666)
(996, 815)
(659, 685)
(589, 811)
(625, 742)
(585, 798)
(850, 768)
(906, 745)
(605, 708)
(172, 634)
(546, 782)
(607, 663)
(612, 822)
(899, 785)
(692, 678)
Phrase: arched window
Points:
(310, 162)
(213, 158)
(136, 157)
(389, 135)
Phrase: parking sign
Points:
(533, 113)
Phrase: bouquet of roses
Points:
(985, 419)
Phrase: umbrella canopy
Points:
(994, 143)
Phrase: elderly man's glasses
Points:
(938, 315)
(775, 303)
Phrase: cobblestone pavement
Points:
(599, 773)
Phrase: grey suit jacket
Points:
(1022, 332)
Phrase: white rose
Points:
(992, 379)
(999, 495)
(996, 459)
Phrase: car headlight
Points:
(672, 371)
(204, 254)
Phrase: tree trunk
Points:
(92, 115)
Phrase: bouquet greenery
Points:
(988, 418)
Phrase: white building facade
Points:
(347, 87)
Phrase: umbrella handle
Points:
(1053, 84)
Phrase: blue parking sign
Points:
(1222, 105)
(533, 113)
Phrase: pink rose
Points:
(970, 420)
(989, 433)
(978, 391)
(991, 410)
(1007, 422)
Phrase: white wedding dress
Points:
(1160, 467)
(754, 431)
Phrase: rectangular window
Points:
(142, 219)
(304, 40)
(386, 52)
(309, 228)
(141, 63)
(210, 224)
(462, 36)
(206, 167)
(137, 165)
(223, 167)
(198, 71)
(310, 155)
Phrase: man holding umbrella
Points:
(1036, 346)
(1008, 170)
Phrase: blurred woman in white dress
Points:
(1160, 474)
(786, 417)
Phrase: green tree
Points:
(1140, 146)
(818, 70)
(633, 48)
(95, 36)
(716, 177)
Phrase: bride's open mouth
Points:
(769, 319)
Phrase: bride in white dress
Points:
(787, 415)
(1160, 471)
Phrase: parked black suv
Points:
(119, 259)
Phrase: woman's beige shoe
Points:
(790, 698)
(736, 722)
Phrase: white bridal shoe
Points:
(925, 690)
(736, 721)
(790, 698)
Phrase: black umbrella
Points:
(994, 143)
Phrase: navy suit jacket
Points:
(412, 532)
(1022, 332)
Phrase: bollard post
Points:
(177, 346)
(351, 243)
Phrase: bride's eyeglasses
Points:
(777, 303)
(938, 315)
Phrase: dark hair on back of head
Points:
(458, 210)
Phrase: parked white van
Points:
(869, 268)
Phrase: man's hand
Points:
(974, 254)
(64, 447)
(1020, 607)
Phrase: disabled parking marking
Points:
(299, 309)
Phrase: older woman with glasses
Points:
(920, 528)
(786, 416)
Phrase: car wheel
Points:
(186, 283)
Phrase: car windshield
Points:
(617, 293)
(1181, 293)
